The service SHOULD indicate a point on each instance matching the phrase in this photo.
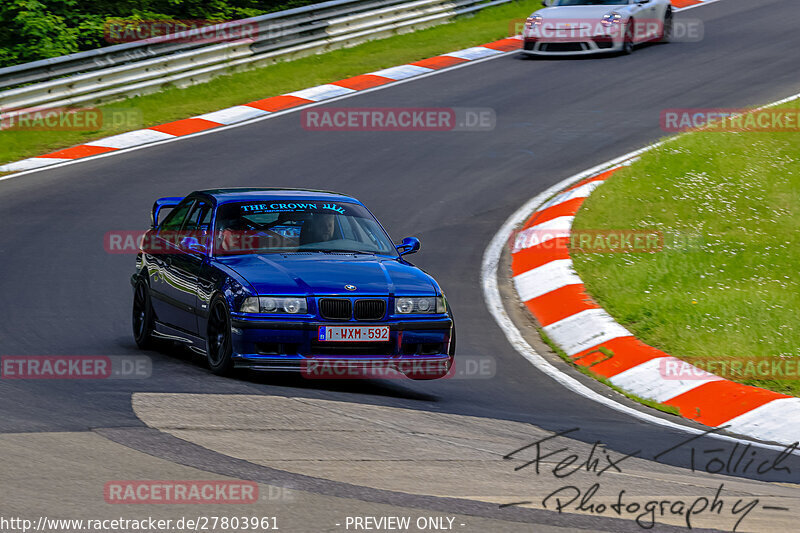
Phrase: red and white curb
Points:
(267, 106)
(686, 4)
(496, 306)
(551, 289)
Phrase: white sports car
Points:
(580, 27)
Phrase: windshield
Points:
(590, 3)
(287, 226)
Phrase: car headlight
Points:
(533, 20)
(611, 19)
(426, 305)
(274, 304)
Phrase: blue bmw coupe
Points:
(298, 280)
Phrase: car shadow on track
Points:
(393, 388)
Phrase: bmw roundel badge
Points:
(350, 287)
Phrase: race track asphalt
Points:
(64, 295)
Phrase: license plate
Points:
(353, 333)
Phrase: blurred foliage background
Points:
(33, 29)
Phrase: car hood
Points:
(578, 12)
(327, 274)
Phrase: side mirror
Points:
(161, 203)
(409, 245)
(640, 2)
(546, 3)
(193, 245)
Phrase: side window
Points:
(175, 219)
(199, 218)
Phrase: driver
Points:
(325, 225)
(320, 228)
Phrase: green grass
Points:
(725, 286)
(173, 104)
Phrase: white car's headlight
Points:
(610, 19)
(274, 304)
(533, 20)
(420, 305)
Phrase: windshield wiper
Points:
(338, 251)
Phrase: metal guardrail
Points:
(147, 66)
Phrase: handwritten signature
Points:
(737, 460)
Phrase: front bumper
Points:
(277, 345)
(586, 45)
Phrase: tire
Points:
(666, 30)
(219, 346)
(143, 318)
(627, 40)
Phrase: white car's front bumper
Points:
(580, 46)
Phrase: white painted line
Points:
(132, 138)
(31, 164)
(648, 380)
(546, 278)
(234, 114)
(476, 52)
(541, 233)
(584, 330)
(777, 421)
(402, 72)
(578, 192)
(322, 92)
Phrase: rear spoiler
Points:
(170, 201)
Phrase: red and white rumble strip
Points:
(260, 108)
(555, 295)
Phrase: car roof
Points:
(246, 194)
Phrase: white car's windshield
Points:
(590, 2)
